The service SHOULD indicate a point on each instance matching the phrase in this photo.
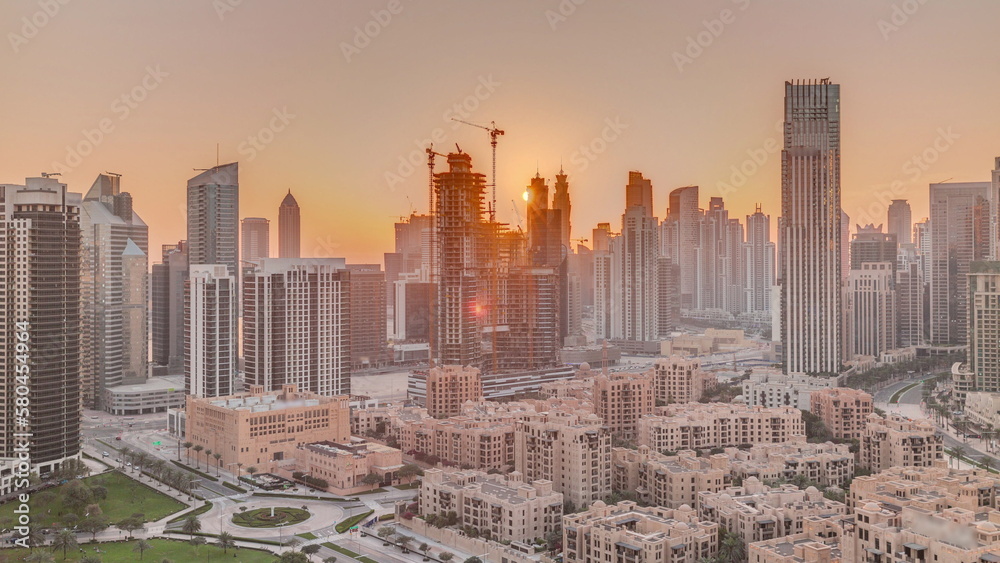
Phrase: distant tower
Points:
(759, 262)
(871, 245)
(256, 239)
(561, 203)
(213, 220)
(900, 221)
(640, 251)
(682, 220)
(289, 235)
(210, 331)
(810, 208)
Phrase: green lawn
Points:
(347, 523)
(125, 497)
(178, 551)
(895, 396)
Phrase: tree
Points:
(218, 464)
(141, 547)
(959, 452)
(226, 540)
(187, 449)
(251, 470)
(409, 471)
(731, 547)
(293, 557)
(131, 524)
(191, 525)
(371, 480)
(310, 550)
(93, 525)
(386, 533)
(404, 542)
(330, 559)
(77, 495)
(70, 520)
(473, 559)
(64, 540)
(197, 450)
(72, 469)
(424, 548)
(41, 557)
(446, 556)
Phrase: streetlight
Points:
(280, 533)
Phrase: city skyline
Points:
(280, 125)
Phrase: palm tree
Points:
(226, 541)
(197, 450)
(141, 547)
(239, 470)
(732, 548)
(987, 463)
(64, 540)
(208, 454)
(251, 470)
(41, 557)
(959, 451)
(218, 464)
(187, 450)
(191, 525)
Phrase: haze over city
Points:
(555, 75)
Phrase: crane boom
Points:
(494, 133)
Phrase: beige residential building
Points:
(502, 508)
(819, 542)
(449, 387)
(889, 534)
(697, 426)
(577, 388)
(828, 464)
(679, 380)
(263, 428)
(462, 440)
(759, 513)
(571, 451)
(625, 533)
(620, 399)
(671, 481)
(843, 411)
(899, 441)
(344, 465)
(983, 408)
(930, 488)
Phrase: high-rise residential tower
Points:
(960, 216)
(459, 195)
(812, 218)
(871, 309)
(167, 283)
(289, 235)
(561, 203)
(367, 316)
(256, 238)
(213, 217)
(900, 221)
(871, 245)
(210, 331)
(640, 251)
(984, 326)
(296, 324)
(759, 262)
(681, 239)
(40, 328)
(108, 226)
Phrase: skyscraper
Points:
(41, 312)
(960, 216)
(210, 331)
(900, 221)
(812, 218)
(682, 220)
(561, 203)
(459, 194)
(135, 312)
(289, 235)
(640, 250)
(109, 226)
(995, 211)
(256, 238)
(759, 262)
(296, 324)
(871, 309)
(871, 245)
(368, 316)
(167, 282)
(984, 326)
(213, 217)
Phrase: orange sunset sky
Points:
(327, 98)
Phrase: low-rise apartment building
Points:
(450, 387)
(931, 488)
(502, 508)
(679, 380)
(826, 464)
(344, 465)
(899, 441)
(624, 532)
(843, 411)
(620, 399)
(697, 426)
(819, 542)
(671, 481)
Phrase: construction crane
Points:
(430, 176)
(433, 250)
(494, 133)
(517, 214)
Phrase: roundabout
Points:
(270, 517)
